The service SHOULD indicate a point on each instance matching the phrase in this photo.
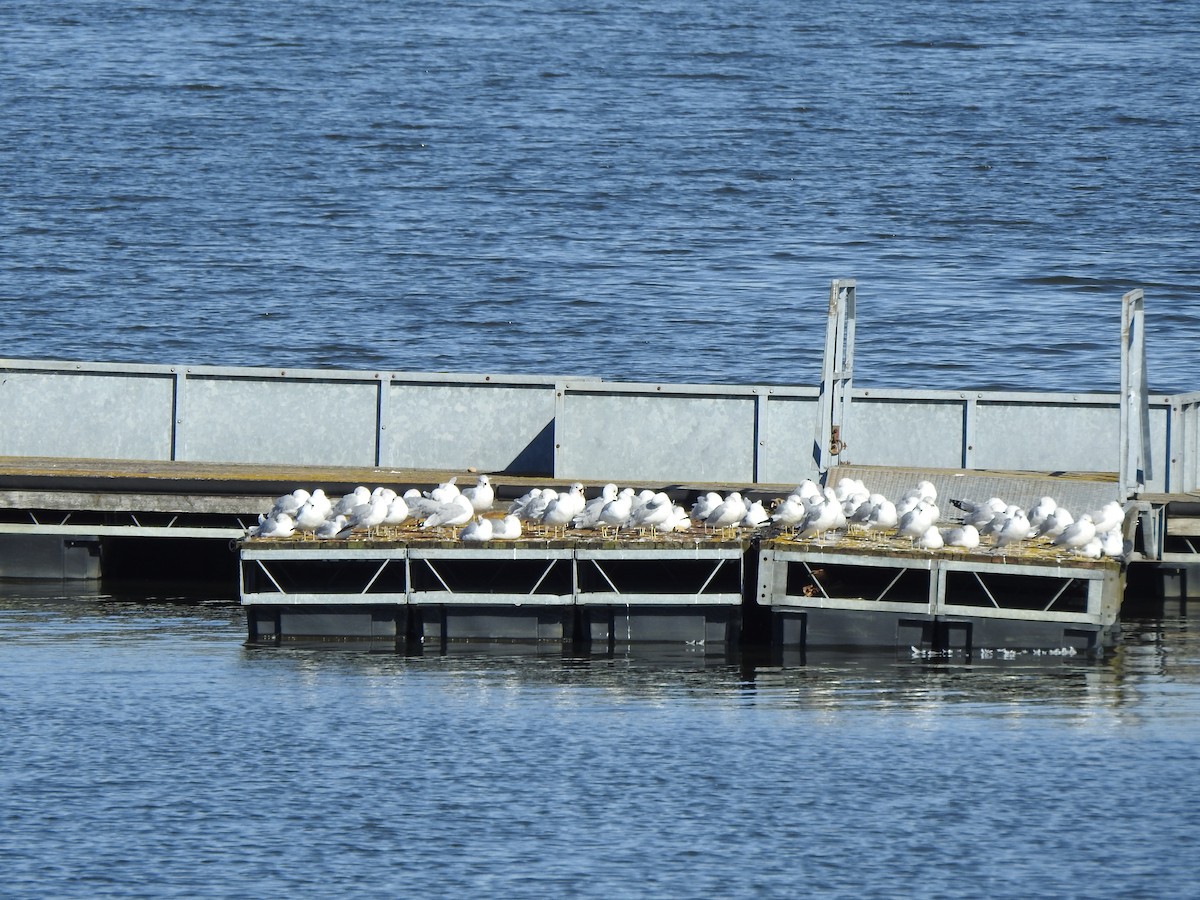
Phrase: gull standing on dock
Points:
(589, 516)
(730, 511)
(369, 516)
(824, 516)
(1077, 534)
(563, 509)
(457, 511)
(615, 513)
(652, 513)
(1056, 523)
(790, 512)
(931, 540)
(704, 506)
(309, 516)
(482, 495)
(1014, 529)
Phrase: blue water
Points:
(147, 752)
(650, 191)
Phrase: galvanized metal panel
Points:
(657, 435)
(1047, 437)
(786, 444)
(494, 427)
(891, 431)
(86, 414)
(302, 421)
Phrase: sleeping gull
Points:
(965, 536)
(477, 530)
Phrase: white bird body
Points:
(1112, 543)
(755, 516)
(333, 528)
(790, 512)
(1014, 529)
(730, 511)
(917, 521)
(1077, 534)
(678, 520)
(356, 497)
(397, 512)
(824, 515)
(517, 507)
(883, 517)
(280, 525)
(506, 529)
(309, 516)
(615, 513)
(589, 517)
(446, 491)
(318, 499)
(477, 530)
(1108, 517)
(932, 539)
(850, 487)
(533, 511)
(482, 495)
(704, 506)
(808, 490)
(1039, 512)
(1057, 522)
(368, 515)
(965, 536)
(923, 491)
(653, 512)
(457, 511)
(562, 510)
(290, 503)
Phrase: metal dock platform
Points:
(143, 465)
(424, 589)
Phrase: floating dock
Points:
(162, 469)
(424, 589)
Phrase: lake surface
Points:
(147, 751)
(651, 191)
(659, 191)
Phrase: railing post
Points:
(1135, 469)
(837, 370)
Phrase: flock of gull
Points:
(811, 513)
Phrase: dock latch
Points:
(836, 444)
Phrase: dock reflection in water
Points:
(141, 738)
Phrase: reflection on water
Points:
(508, 770)
(1166, 649)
